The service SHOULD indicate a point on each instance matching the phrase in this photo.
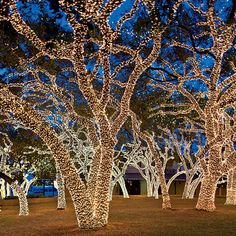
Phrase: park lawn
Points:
(138, 215)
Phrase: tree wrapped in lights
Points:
(137, 155)
(231, 188)
(214, 101)
(4, 151)
(22, 169)
(155, 155)
(46, 162)
(90, 198)
(122, 160)
(60, 186)
(33, 121)
(142, 160)
(188, 164)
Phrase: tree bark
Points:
(112, 185)
(149, 188)
(2, 189)
(155, 192)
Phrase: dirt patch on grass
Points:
(132, 217)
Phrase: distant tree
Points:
(208, 90)
(5, 149)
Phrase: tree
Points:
(207, 90)
(182, 142)
(23, 113)
(89, 23)
(4, 151)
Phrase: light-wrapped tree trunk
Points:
(166, 203)
(206, 199)
(2, 189)
(122, 184)
(8, 189)
(192, 188)
(24, 209)
(173, 178)
(61, 196)
(191, 184)
(155, 191)
(186, 186)
(231, 188)
(104, 175)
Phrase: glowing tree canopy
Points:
(90, 55)
(204, 89)
(96, 60)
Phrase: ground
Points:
(132, 217)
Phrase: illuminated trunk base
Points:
(231, 188)
(166, 204)
(61, 197)
(206, 198)
(231, 197)
(24, 209)
(186, 190)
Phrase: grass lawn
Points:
(135, 216)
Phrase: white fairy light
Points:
(220, 96)
(90, 199)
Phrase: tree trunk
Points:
(112, 185)
(173, 178)
(24, 209)
(166, 204)
(155, 192)
(93, 174)
(61, 197)
(186, 187)
(3, 189)
(149, 188)
(8, 190)
(206, 198)
(192, 187)
(231, 188)
(121, 182)
(101, 200)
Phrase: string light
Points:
(90, 199)
(219, 126)
(4, 169)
